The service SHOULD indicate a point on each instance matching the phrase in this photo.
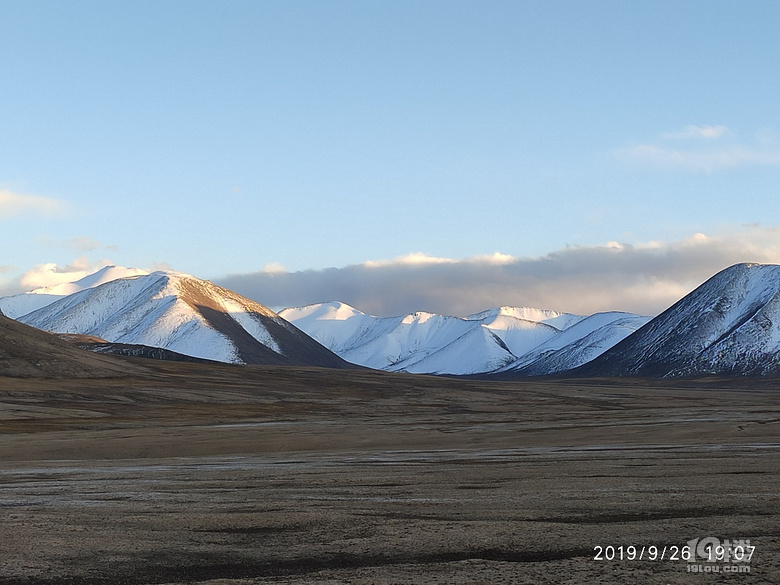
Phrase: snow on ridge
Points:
(547, 316)
(728, 325)
(251, 325)
(333, 310)
(17, 306)
(21, 304)
(105, 274)
(424, 342)
(159, 309)
(579, 344)
(477, 350)
(336, 325)
(731, 324)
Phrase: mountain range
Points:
(176, 312)
(730, 325)
(495, 340)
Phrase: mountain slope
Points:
(523, 328)
(16, 306)
(383, 343)
(503, 338)
(477, 350)
(578, 344)
(102, 276)
(29, 352)
(728, 325)
(184, 314)
(425, 342)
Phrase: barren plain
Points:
(198, 473)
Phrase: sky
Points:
(398, 155)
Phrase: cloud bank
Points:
(644, 278)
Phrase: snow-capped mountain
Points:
(412, 343)
(494, 340)
(184, 314)
(18, 305)
(578, 344)
(728, 325)
(427, 343)
(524, 328)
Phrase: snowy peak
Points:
(335, 325)
(578, 344)
(553, 318)
(422, 317)
(728, 325)
(333, 311)
(422, 342)
(476, 349)
(184, 314)
(417, 342)
(18, 305)
(102, 276)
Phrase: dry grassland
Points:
(237, 475)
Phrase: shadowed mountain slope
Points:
(183, 314)
(729, 325)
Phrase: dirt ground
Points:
(241, 475)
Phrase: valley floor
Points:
(242, 475)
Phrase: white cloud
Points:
(495, 258)
(15, 204)
(644, 278)
(695, 155)
(693, 131)
(274, 267)
(702, 160)
(414, 259)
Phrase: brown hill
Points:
(27, 352)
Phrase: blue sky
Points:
(226, 138)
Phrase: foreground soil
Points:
(194, 473)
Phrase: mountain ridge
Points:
(18, 305)
(729, 325)
(487, 341)
(181, 313)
